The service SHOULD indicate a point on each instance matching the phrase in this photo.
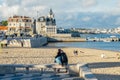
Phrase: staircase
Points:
(45, 72)
(38, 76)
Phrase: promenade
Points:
(104, 68)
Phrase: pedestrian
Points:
(75, 52)
(102, 55)
(117, 56)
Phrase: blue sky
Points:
(68, 13)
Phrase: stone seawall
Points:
(37, 42)
(28, 42)
(66, 39)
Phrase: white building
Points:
(19, 23)
(46, 25)
(117, 30)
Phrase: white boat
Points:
(106, 40)
(113, 36)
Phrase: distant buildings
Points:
(3, 28)
(20, 24)
(46, 25)
(0, 23)
(89, 31)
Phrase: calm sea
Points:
(114, 46)
(99, 35)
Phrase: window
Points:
(10, 24)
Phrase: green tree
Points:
(4, 23)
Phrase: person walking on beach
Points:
(61, 59)
(75, 52)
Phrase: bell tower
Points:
(51, 15)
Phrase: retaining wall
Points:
(28, 42)
(81, 69)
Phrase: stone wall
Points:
(66, 39)
(28, 42)
(60, 35)
(7, 69)
(37, 42)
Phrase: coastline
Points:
(111, 46)
(106, 68)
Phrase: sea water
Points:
(114, 46)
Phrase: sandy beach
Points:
(105, 67)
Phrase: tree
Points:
(4, 23)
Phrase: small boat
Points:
(113, 36)
(106, 40)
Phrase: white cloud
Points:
(88, 3)
(30, 7)
(117, 21)
(20, 7)
(12, 3)
(105, 16)
(118, 3)
(69, 17)
(86, 19)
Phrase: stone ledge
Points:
(81, 69)
(85, 72)
(11, 68)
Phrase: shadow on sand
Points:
(104, 65)
(103, 76)
(107, 77)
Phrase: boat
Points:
(113, 36)
(106, 40)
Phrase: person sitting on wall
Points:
(61, 59)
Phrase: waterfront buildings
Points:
(43, 25)
(19, 24)
(0, 23)
(3, 29)
(46, 25)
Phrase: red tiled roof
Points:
(3, 28)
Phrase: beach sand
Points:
(104, 64)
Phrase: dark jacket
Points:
(64, 59)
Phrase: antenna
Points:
(37, 13)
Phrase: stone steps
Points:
(38, 76)
(46, 72)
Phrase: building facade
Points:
(19, 24)
(46, 25)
